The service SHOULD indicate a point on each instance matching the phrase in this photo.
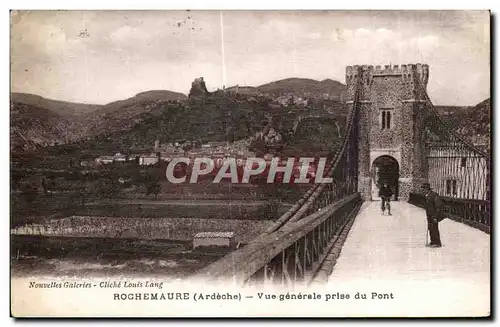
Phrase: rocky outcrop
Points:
(198, 89)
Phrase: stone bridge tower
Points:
(391, 127)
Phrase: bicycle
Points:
(386, 204)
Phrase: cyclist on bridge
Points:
(385, 194)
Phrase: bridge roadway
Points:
(387, 254)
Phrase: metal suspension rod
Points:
(443, 123)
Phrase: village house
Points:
(168, 156)
(103, 160)
(133, 157)
(86, 163)
(148, 159)
(118, 157)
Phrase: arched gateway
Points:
(385, 170)
(391, 127)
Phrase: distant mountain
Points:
(123, 114)
(141, 98)
(60, 107)
(304, 87)
(246, 90)
(299, 87)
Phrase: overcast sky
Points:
(99, 57)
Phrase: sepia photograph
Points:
(250, 163)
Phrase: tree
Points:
(107, 188)
(44, 185)
(153, 187)
(29, 192)
(187, 147)
(152, 181)
(81, 194)
(258, 145)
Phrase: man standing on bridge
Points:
(385, 194)
(433, 211)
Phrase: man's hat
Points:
(426, 185)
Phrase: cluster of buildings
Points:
(290, 99)
(218, 151)
(270, 136)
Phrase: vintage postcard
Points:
(188, 163)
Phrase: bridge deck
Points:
(387, 254)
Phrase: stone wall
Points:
(179, 229)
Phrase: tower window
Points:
(386, 119)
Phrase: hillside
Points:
(471, 122)
(38, 122)
(206, 116)
(123, 114)
(33, 127)
(476, 126)
(60, 107)
(217, 119)
(453, 115)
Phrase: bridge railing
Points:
(475, 213)
(291, 255)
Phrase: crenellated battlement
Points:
(367, 72)
(399, 69)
